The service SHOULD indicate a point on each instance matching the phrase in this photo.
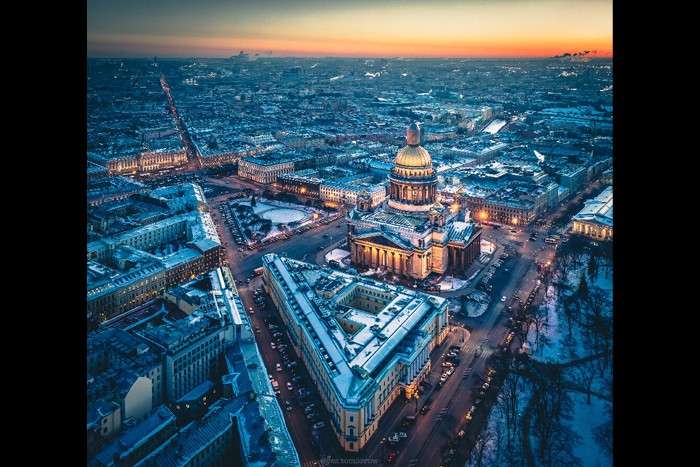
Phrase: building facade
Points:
(263, 171)
(341, 192)
(149, 161)
(412, 235)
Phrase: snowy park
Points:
(263, 219)
(555, 406)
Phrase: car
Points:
(297, 379)
(391, 457)
(273, 346)
(393, 438)
(319, 425)
(289, 386)
(425, 409)
(278, 367)
(504, 298)
(311, 416)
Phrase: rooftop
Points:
(357, 324)
(598, 209)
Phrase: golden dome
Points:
(413, 156)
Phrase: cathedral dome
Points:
(414, 157)
(412, 182)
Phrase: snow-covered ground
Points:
(337, 255)
(557, 346)
(476, 304)
(487, 247)
(494, 126)
(585, 419)
(279, 213)
(451, 283)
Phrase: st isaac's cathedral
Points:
(412, 234)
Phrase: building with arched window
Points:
(413, 234)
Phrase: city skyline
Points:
(474, 29)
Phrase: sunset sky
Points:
(406, 28)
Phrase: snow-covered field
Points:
(337, 255)
(451, 283)
(585, 420)
(279, 213)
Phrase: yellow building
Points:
(595, 220)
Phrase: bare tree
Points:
(561, 450)
(508, 405)
(585, 374)
(597, 323)
(551, 404)
(539, 318)
(603, 436)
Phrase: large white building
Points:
(595, 220)
(364, 342)
(263, 171)
(346, 192)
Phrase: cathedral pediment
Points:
(385, 239)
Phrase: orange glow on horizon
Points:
(229, 46)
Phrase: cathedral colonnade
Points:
(376, 256)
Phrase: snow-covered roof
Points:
(355, 340)
(598, 210)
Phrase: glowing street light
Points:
(515, 220)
